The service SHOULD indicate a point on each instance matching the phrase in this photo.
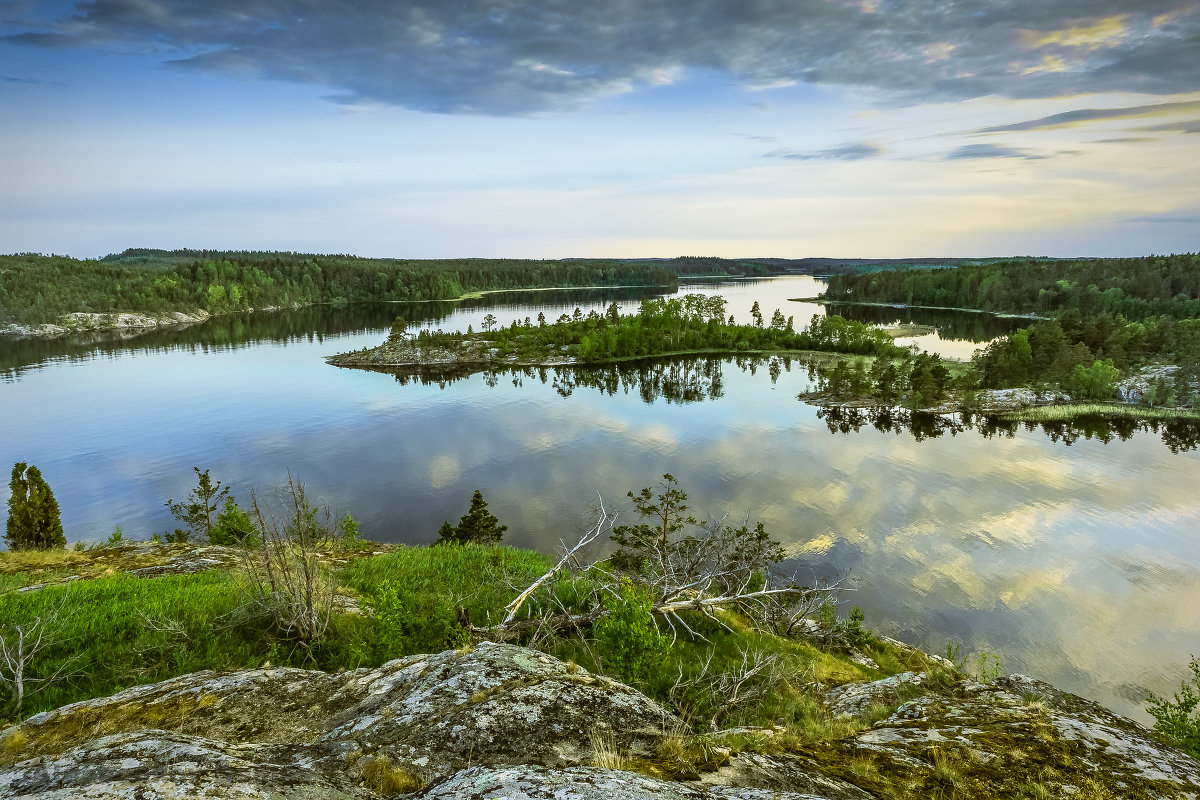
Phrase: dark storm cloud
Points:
(523, 56)
(989, 151)
(854, 151)
(1069, 118)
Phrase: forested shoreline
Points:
(37, 289)
(692, 323)
(1105, 320)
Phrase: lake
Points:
(1071, 551)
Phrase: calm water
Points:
(1073, 553)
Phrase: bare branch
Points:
(604, 523)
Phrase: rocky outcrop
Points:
(464, 356)
(969, 739)
(122, 321)
(501, 721)
(583, 783)
(152, 559)
(303, 733)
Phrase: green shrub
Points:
(630, 643)
(409, 622)
(33, 516)
(234, 527)
(1174, 720)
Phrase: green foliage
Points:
(687, 324)
(848, 632)
(118, 631)
(667, 514)
(629, 641)
(115, 538)
(35, 288)
(1176, 721)
(1136, 288)
(234, 527)
(987, 667)
(201, 508)
(34, 522)
(351, 537)
(1097, 382)
(477, 526)
(409, 622)
(478, 578)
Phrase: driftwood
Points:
(697, 573)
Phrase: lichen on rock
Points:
(501, 721)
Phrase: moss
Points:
(13, 743)
(382, 778)
(62, 729)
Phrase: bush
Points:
(33, 517)
(630, 643)
(233, 527)
(409, 622)
(1174, 720)
(1097, 382)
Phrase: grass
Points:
(478, 578)
(382, 778)
(20, 568)
(1061, 413)
(115, 632)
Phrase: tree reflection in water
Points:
(697, 379)
(1179, 435)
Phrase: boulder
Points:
(966, 738)
(501, 721)
(583, 783)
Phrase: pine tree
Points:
(34, 522)
(202, 507)
(478, 525)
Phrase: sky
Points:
(551, 128)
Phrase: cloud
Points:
(1183, 126)
(1170, 218)
(1103, 32)
(1082, 116)
(852, 151)
(526, 56)
(990, 151)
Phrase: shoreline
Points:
(1026, 406)
(822, 299)
(138, 321)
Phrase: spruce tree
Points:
(34, 522)
(478, 525)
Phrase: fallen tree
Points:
(686, 565)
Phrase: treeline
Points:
(1058, 352)
(35, 288)
(689, 323)
(1135, 288)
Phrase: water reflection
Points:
(311, 324)
(681, 379)
(690, 379)
(1179, 435)
(951, 325)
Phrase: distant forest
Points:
(36, 288)
(1135, 288)
(1105, 316)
